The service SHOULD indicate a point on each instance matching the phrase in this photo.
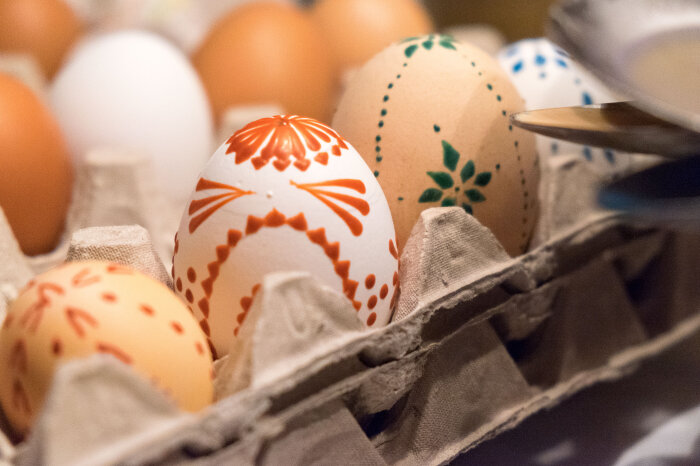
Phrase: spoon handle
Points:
(617, 125)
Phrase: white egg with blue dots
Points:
(547, 77)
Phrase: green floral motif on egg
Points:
(447, 192)
(427, 43)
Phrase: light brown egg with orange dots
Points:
(36, 172)
(83, 308)
(267, 53)
(45, 29)
(356, 30)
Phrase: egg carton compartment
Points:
(479, 342)
(421, 390)
(26, 68)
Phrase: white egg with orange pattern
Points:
(284, 193)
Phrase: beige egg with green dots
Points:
(430, 116)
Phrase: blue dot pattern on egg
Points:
(547, 77)
(587, 99)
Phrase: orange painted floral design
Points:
(284, 140)
(230, 193)
(327, 198)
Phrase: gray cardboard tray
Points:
(480, 340)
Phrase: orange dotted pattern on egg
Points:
(275, 219)
(79, 320)
(384, 290)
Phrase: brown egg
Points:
(356, 30)
(35, 168)
(264, 53)
(43, 28)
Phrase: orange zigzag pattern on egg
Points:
(274, 219)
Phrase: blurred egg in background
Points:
(355, 30)
(36, 174)
(133, 90)
(267, 53)
(44, 29)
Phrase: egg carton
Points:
(479, 342)
(184, 22)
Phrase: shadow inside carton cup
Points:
(665, 292)
(12, 436)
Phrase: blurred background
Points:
(514, 18)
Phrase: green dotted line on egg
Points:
(383, 113)
(412, 45)
(526, 194)
(436, 128)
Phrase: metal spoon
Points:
(668, 194)
(616, 125)
(647, 50)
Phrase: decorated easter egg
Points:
(284, 193)
(546, 77)
(134, 90)
(83, 308)
(36, 174)
(430, 118)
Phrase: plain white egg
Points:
(136, 91)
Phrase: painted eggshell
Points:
(83, 308)
(547, 77)
(284, 193)
(430, 117)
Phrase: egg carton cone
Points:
(112, 187)
(479, 342)
(184, 22)
(25, 68)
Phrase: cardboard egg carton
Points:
(479, 342)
